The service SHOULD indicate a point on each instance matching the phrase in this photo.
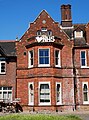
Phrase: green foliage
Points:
(38, 117)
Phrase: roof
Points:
(8, 48)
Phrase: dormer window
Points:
(78, 34)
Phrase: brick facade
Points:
(48, 86)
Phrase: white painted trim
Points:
(44, 65)
(59, 103)
(85, 102)
(0, 67)
(59, 58)
(44, 104)
(29, 100)
(29, 61)
(66, 27)
(85, 59)
(2, 91)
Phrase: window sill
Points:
(57, 66)
(44, 104)
(44, 65)
(31, 104)
(58, 103)
(85, 103)
(84, 66)
(2, 73)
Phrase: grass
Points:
(38, 117)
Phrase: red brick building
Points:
(52, 64)
(7, 70)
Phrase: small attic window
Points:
(43, 29)
(78, 34)
(38, 33)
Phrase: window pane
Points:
(9, 88)
(44, 93)
(46, 53)
(0, 88)
(85, 87)
(31, 58)
(31, 53)
(56, 53)
(85, 92)
(10, 95)
(85, 97)
(4, 88)
(2, 67)
(83, 62)
(4, 95)
(44, 56)
(57, 57)
(82, 54)
(58, 92)
(46, 60)
(31, 93)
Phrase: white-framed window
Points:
(58, 93)
(43, 29)
(83, 58)
(31, 93)
(39, 33)
(2, 67)
(31, 58)
(6, 93)
(85, 93)
(44, 57)
(44, 93)
(57, 58)
(49, 32)
(78, 34)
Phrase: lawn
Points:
(38, 117)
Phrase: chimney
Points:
(66, 19)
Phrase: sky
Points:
(15, 15)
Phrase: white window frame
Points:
(85, 66)
(59, 58)
(29, 99)
(44, 29)
(85, 102)
(2, 91)
(81, 34)
(40, 103)
(29, 59)
(0, 67)
(43, 65)
(59, 103)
